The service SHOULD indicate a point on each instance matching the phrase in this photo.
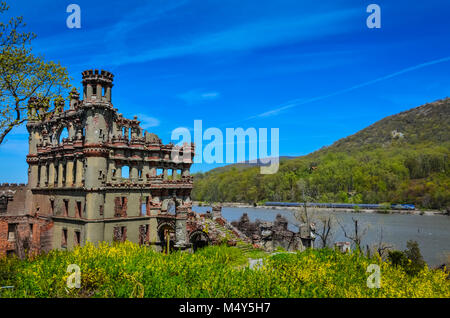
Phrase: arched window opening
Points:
(199, 239)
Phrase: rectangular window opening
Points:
(66, 207)
(77, 237)
(144, 206)
(64, 238)
(12, 231)
(78, 211)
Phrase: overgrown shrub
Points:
(410, 260)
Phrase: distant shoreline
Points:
(312, 209)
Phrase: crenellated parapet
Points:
(97, 85)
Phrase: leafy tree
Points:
(397, 258)
(411, 259)
(416, 262)
(23, 75)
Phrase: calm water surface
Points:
(432, 232)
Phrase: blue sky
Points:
(310, 68)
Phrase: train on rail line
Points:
(343, 205)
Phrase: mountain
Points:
(247, 164)
(426, 123)
(402, 158)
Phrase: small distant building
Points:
(343, 247)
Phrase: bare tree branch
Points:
(357, 236)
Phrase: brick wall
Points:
(31, 239)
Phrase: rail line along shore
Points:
(323, 209)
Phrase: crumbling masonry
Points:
(273, 235)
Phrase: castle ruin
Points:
(106, 181)
(94, 175)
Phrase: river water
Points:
(432, 232)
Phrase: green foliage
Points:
(130, 270)
(410, 260)
(379, 175)
(23, 75)
(397, 258)
(9, 31)
(416, 262)
(8, 270)
(368, 167)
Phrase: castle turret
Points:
(98, 121)
(97, 85)
(97, 96)
(74, 98)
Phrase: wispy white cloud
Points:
(112, 37)
(147, 121)
(195, 96)
(298, 102)
(241, 37)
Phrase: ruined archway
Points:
(166, 235)
(199, 239)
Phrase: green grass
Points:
(128, 270)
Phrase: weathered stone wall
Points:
(16, 205)
(271, 235)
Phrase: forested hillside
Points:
(402, 158)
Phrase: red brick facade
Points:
(24, 234)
